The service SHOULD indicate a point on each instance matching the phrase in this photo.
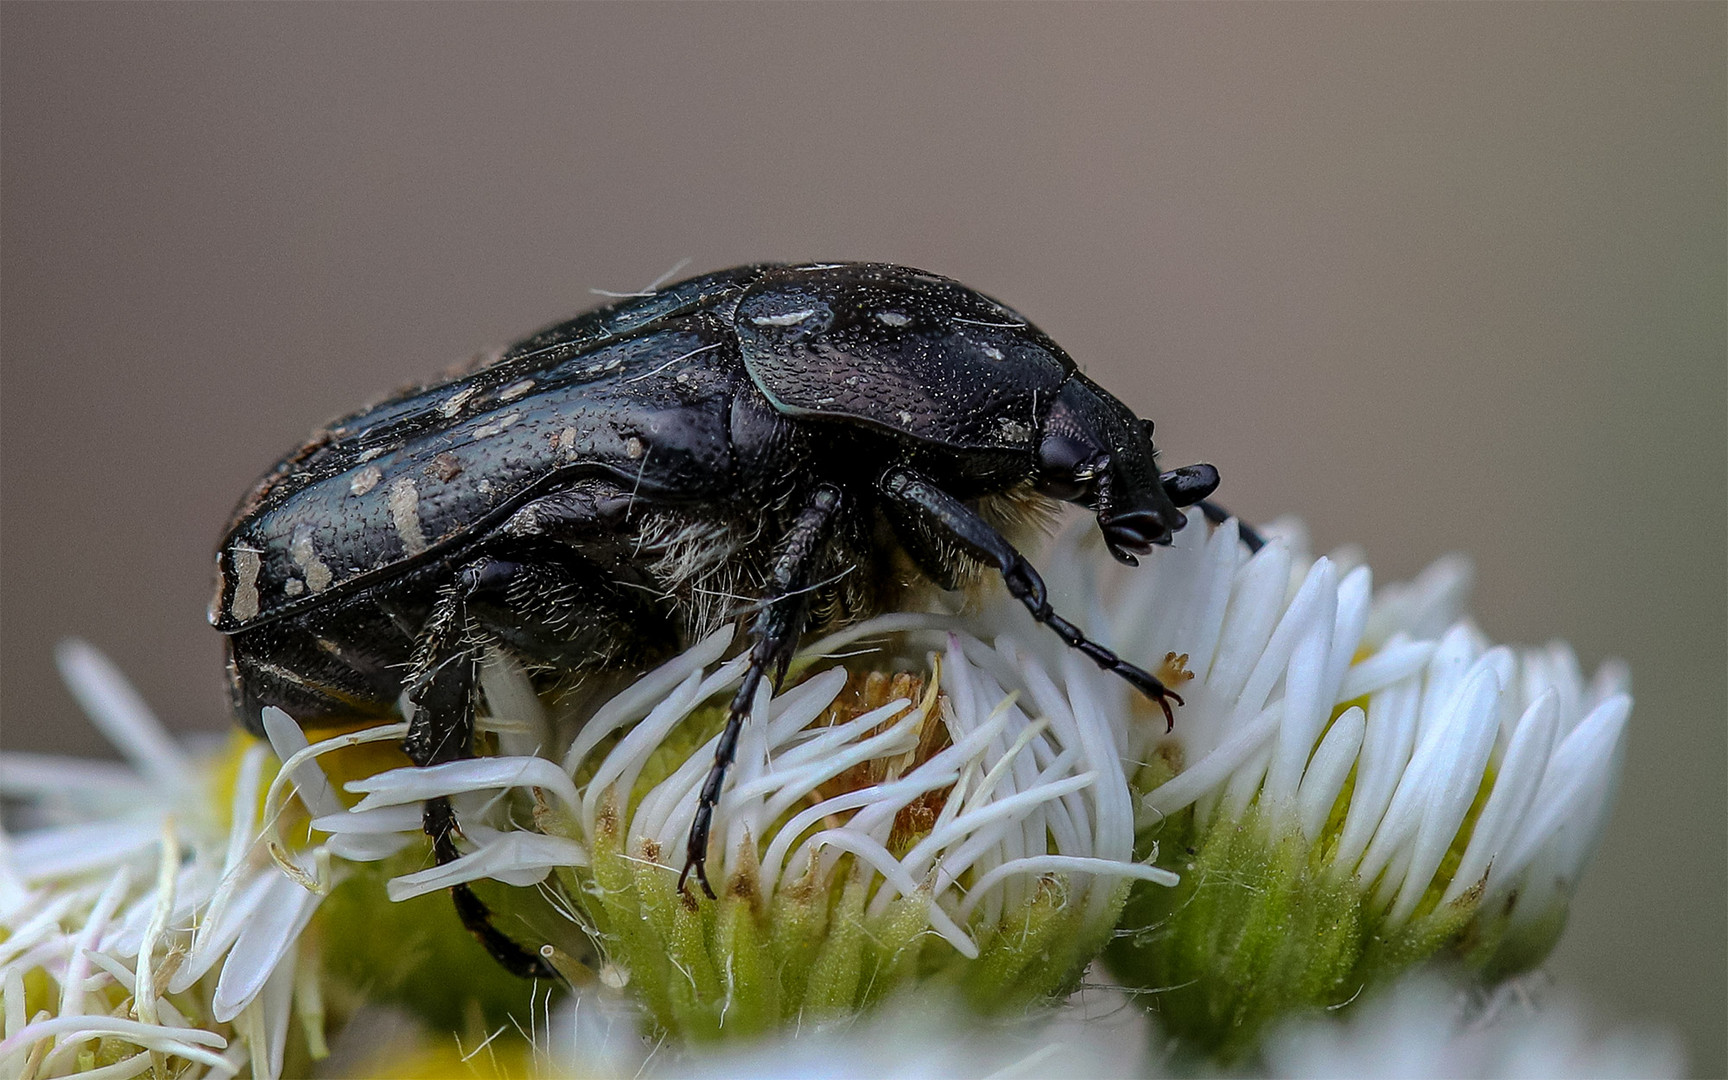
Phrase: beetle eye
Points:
(1067, 468)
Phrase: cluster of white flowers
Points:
(1424, 1027)
(140, 925)
(924, 781)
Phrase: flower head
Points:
(1355, 783)
(933, 803)
(142, 927)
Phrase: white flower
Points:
(1425, 1029)
(163, 929)
(961, 813)
(1397, 774)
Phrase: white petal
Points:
(74, 849)
(896, 795)
(1056, 864)
(219, 928)
(1425, 607)
(1315, 602)
(894, 873)
(513, 709)
(512, 854)
(627, 759)
(72, 984)
(1582, 765)
(635, 702)
(1307, 699)
(262, 943)
(1223, 554)
(121, 715)
(415, 784)
(1394, 663)
(287, 740)
(1456, 775)
(1452, 660)
(360, 847)
(1326, 773)
(35, 776)
(136, 1031)
(399, 818)
(1387, 741)
(1515, 787)
(274, 1003)
(1256, 603)
(1215, 768)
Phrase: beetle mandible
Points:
(818, 440)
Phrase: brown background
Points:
(1434, 277)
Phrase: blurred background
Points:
(1434, 277)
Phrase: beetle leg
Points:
(919, 494)
(775, 633)
(1191, 485)
(1217, 515)
(442, 691)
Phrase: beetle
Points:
(819, 441)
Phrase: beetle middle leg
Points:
(920, 495)
(442, 690)
(776, 631)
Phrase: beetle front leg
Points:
(920, 495)
(442, 690)
(1191, 485)
(775, 633)
(1217, 515)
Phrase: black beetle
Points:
(814, 441)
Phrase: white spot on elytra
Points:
(992, 352)
(567, 440)
(905, 417)
(405, 515)
(368, 455)
(305, 556)
(365, 480)
(454, 404)
(293, 587)
(1013, 430)
(246, 566)
(791, 318)
(486, 431)
(892, 318)
(515, 390)
(214, 610)
(633, 447)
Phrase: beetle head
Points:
(1096, 453)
